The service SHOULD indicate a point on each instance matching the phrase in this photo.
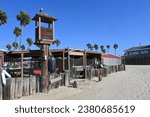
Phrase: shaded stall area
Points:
(25, 69)
(78, 63)
(22, 63)
(65, 66)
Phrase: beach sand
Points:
(132, 84)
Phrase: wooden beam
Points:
(68, 59)
(39, 27)
(85, 64)
(22, 55)
(45, 76)
(53, 29)
(63, 60)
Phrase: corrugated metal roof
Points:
(110, 56)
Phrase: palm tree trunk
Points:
(28, 47)
(15, 39)
(15, 42)
(21, 38)
(108, 51)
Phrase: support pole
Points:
(63, 61)
(39, 28)
(22, 55)
(53, 30)
(45, 77)
(68, 59)
(85, 64)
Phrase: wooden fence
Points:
(108, 70)
(17, 87)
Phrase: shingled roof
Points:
(44, 18)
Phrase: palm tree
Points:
(115, 47)
(22, 47)
(104, 50)
(89, 46)
(8, 46)
(96, 47)
(3, 17)
(108, 47)
(24, 20)
(17, 32)
(15, 45)
(30, 42)
(102, 47)
(57, 42)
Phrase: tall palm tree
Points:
(30, 42)
(96, 47)
(15, 45)
(57, 42)
(24, 20)
(102, 47)
(104, 51)
(115, 47)
(89, 46)
(17, 32)
(22, 47)
(3, 17)
(8, 46)
(108, 47)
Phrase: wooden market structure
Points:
(65, 54)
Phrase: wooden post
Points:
(45, 77)
(53, 29)
(44, 41)
(63, 61)
(39, 27)
(85, 64)
(68, 59)
(22, 55)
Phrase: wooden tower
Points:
(43, 37)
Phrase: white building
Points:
(111, 60)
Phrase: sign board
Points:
(45, 37)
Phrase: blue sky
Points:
(125, 22)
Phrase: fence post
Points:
(67, 76)
(18, 87)
(1, 96)
(25, 86)
(1, 90)
(63, 79)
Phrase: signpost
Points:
(44, 36)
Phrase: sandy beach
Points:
(132, 84)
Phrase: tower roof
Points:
(44, 18)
